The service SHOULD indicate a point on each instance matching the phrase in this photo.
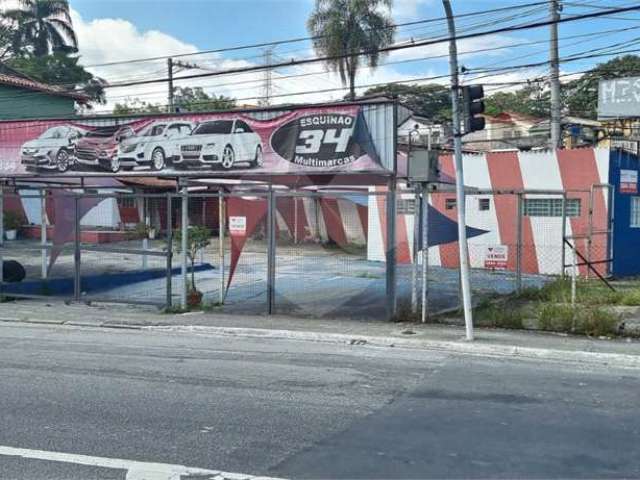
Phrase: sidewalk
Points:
(622, 352)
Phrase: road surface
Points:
(113, 404)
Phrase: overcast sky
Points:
(114, 30)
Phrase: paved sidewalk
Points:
(494, 342)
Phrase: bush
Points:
(593, 321)
(12, 220)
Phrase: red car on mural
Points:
(99, 148)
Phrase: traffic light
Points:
(473, 105)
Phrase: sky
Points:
(116, 30)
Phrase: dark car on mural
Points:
(155, 145)
(99, 148)
(52, 150)
(220, 143)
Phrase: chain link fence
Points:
(305, 253)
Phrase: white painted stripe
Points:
(375, 243)
(602, 163)
(351, 223)
(477, 168)
(434, 252)
(135, 470)
(541, 171)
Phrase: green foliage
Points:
(197, 238)
(591, 320)
(554, 317)
(343, 27)
(136, 106)
(580, 96)
(12, 220)
(631, 298)
(530, 100)
(41, 27)
(60, 69)
(188, 99)
(431, 101)
(492, 315)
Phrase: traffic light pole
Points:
(460, 193)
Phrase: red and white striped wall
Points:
(570, 171)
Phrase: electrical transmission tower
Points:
(267, 87)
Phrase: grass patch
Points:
(211, 306)
(595, 321)
(489, 314)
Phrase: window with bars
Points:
(484, 204)
(450, 203)
(635, 212)
(551, 207)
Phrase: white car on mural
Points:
(221, 143)
(155, 145)
(52, 150)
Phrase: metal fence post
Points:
(519, 222)
(76, 256)
(416, 246)
(1, 238)
(221, 229)
(425, 252)
(391, 250)
(169, 278)
(147, 224)
(43, 232)
(563, 253)
(184, 230)
(271, 251)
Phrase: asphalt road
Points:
(301, 410)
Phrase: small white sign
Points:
(628, 181)
(496, 257)
(238, 225)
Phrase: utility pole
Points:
(554, 60)
(171, 108)
(460, 193)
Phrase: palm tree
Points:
(42, 26)
(347, 31)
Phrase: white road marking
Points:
(135, 470)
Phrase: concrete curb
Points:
(476, 348)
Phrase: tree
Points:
(580, 96)
(198, 237)
(348, 31)
(197, 100)
(60, 69)
(431, 101)
(135, 105)
(42, 27)
(530, 100)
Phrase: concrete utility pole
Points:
(554, 60)
(170, 77)
(460, 193)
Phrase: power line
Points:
(383, 50)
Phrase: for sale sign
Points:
(496, 257)
(238, 226)
(629, 181)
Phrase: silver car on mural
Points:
(54, 149)
(155, 146)
(220, 143)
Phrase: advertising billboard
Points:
(619, 98)
(304, 141)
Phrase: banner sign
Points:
(306, 141)
(629, 181)
(619, 98)
(496, 257)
